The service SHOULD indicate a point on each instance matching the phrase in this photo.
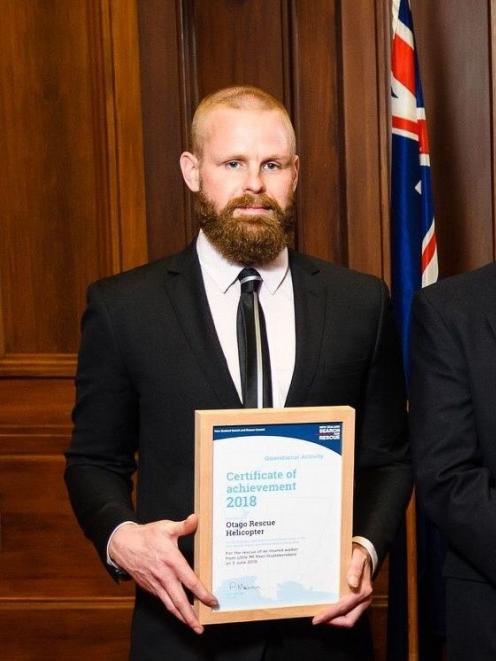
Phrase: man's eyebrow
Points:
(282, 158)
(223, 157)
(243, 157)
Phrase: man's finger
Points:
(350, 619)
(188, 578)
(154, 585)
(359, 560)
(178, 597)
(343, 606)
(167, 601)
(181, 528)
(190, 524)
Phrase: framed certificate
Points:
(273, 492)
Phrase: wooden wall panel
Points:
(165, 117)
(240, 41)
(47, 569)
(35, 416)
(366, 125)
(72, 210)
(43, 550)
(378, 622)
(47, 140)
(58, 632)
(455, 56)
(72, 196)
(124, 130)
(321, 194)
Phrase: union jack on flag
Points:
(414, 253)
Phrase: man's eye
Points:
(233, 165)
(271, 165)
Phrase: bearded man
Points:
(160, 341)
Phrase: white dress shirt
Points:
(223, 290)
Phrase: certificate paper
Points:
(273, 493)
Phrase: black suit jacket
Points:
(150, 356)
(453, 417)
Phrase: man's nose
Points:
(254, 182)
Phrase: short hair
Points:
(240, 97)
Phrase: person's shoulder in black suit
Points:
(465, 292)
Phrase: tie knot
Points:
(250, 280)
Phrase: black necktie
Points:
(254, 362)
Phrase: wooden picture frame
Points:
(287, 531)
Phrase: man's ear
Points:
(190, 167)
(296, 166)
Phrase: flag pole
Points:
(411, 573)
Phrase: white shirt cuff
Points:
(370, 548)
(109, 559)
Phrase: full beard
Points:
(253, 239)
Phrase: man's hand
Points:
(149, 553)
(347, 610)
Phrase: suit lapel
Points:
(186, 292)
(310, 311)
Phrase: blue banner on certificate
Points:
(273, 493)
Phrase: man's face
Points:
(247, 151)
(246, 178)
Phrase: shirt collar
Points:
(224, 273)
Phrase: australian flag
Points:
(414, 265)
(414, 253)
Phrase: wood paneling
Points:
(43, 550)
(72, 196)
(49, 215)
(73, 209)
(378, 622)
(321, 204)
(79, 631)
(47, 571)
(366, 114)
(228, 43)
(162, 44)
(456, 60)
(31, 408)
(119, 35)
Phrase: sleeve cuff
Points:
(110, 562)
(369, 547)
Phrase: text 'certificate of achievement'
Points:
(273, 492)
